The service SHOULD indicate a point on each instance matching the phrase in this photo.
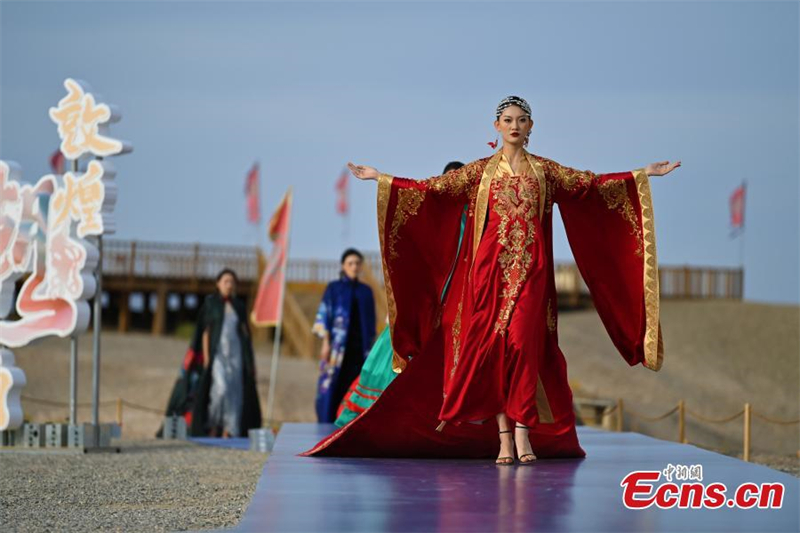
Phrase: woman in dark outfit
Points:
(227, 400)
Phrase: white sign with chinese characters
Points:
(42, 233)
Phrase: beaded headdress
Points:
(513, 100)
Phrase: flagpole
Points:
(276, 344)
(741, 236)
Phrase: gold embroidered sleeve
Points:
(408, 204)
(566, 178)
(457, 182)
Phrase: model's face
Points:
(351, 266)
(226, 285)
(514, 125)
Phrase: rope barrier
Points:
(774, 421)
(608, 410)
(653, 419)
(682, 411)
(126, 403)
(714, 420)
(704, 418)
(62, 404)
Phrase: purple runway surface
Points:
(347, 495)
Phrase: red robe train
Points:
(491, 344)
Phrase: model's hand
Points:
(325, 352)
(363, 172)
(661, 168)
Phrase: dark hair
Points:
(228, 271)
(351, 251)
(452, 165)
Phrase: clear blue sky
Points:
(207, 88)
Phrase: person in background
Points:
(345, 322)
(227, 403)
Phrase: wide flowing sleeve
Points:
(609, 223)
(419, 224)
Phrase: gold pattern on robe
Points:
(548, 199)
(479, 207)
(457, 336)
(384, 192)
(516, 202)
(567, 178)
(455, 182)
(653, 342)
(482, 200)
(615, 193)
(408, 202)
(551, 319)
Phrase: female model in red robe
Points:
(489, 350)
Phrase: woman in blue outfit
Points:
(346, 323)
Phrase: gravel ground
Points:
(150, 486)
(790, 465)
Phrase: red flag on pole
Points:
(737, 207)
(341, 191)
(268, 307)
(252, 195)
(57, 162)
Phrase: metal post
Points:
(746, 453)
(681, 422)
(73, 361)
(73, 380)
(98, 315)
(276, 347)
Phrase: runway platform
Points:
(371, 495)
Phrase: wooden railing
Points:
(174, 260)
(701, 282)
(203, 261)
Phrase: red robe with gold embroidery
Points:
(490, 345)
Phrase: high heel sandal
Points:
(522, 457)
(505, 461)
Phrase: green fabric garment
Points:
(377, 373)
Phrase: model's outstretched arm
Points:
(568, 183)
